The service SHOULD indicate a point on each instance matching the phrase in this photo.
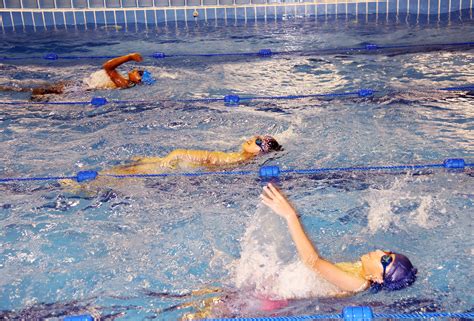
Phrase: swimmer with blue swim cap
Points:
(379, 270)
(106, 78)
(109, 78)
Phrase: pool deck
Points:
(15, 19)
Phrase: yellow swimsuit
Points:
(354, 268)
(180, 159)
(177, 159)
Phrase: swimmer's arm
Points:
(186, 155)
(223, 158)
(201, 157)
(308, 254)
(326, 269)
(115, 76)
(145, 160)
(196, 157)
(14, 88)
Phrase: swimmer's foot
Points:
(70, 184)
(39, 98)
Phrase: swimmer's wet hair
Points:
(270, 144)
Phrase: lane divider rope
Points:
(266, 52)
(265, 172)
(231, 99)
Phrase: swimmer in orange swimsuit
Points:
(106, 78)
(187, 158)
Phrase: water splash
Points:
(269, 265)
(398, 205)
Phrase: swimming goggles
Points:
(259, 143)
(386, 260)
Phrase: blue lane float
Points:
(267, 52)
(265, 172)
(51, 56)
(231, 99)
(84, 317)
(269, 171)
(84, 176)
(98, 101)
(457, 163)
(363, 313)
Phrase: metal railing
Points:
(123, 4)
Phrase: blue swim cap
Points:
(147, 78)
(401, 274)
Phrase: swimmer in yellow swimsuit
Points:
(182, 159)
(378, 269)
(106, 78)
(187, 158)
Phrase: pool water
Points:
(138, 248)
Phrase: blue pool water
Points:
(136, 249)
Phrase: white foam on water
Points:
(385, 205)
(269, 266)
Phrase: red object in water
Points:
(270, 305)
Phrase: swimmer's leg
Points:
(16, 89)
(146, 165)
(70, 184)
(144, 160)
(73, 187)
(54, 89)
(203, 291)
(203, 307)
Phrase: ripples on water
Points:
(120, 252)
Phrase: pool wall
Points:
(62, 14)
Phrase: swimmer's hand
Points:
(136, 56)
(275, 200)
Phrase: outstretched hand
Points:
(275, 200)
(136, 56)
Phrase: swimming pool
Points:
(116, 252)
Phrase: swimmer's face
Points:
(372, 266)
(251, 146)
(135, 76)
